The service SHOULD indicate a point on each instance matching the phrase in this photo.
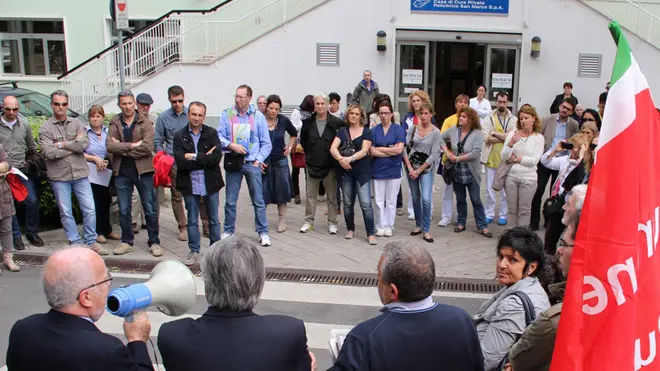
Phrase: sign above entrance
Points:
(415, 77)
(502, 81)
(461, 6)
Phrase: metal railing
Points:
(199, 37)
(641, 17)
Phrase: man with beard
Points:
(495, 128)
(76, 284)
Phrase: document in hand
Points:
(336, 341)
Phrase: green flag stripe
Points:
(623, 53)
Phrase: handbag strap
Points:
(412, 135)
(461, 143)
(528, 306)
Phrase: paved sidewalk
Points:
(464, 255)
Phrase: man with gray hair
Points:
(424, 335)
(76, 283)
(574, 203)
(317, 134)
(261, 103)
(230, 336)
(130, 143)
(63, 141)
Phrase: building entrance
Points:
(447, 64)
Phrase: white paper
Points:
(502, 81)
(100, 177)
(412, 77)
(410, 90)
(337, 338)
(18, 172)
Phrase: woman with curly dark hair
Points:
(466, 140)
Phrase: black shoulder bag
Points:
(449, 170)
(347, 149)
(417, 159)
(530, 316)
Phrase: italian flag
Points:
(611, 310)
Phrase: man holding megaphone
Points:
(76, 283)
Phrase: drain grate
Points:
(288, 275)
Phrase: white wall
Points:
(284, 61)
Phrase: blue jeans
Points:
(421, 190)
(31, 210)
(234, 179)
(351, 187)
(211, 202)
(477, 206)
(145, 186)
(83, 191)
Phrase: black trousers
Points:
(553, 233)
(102, 202)
(544, 174)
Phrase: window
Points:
(136, 24)
(33, 48)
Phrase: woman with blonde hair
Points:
(415, 101)
(351, 150)
(590, 130)
(466, 140)
(573, 169)
(522, 151)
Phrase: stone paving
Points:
(463, 255)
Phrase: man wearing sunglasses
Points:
(63, 141)
(76, 284)
(169, 122)
(17, 139)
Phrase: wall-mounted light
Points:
(381, 41)
(536, 46)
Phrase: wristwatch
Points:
(59, 145)
(194, 157)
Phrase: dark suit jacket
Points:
(58, 341)
(183, 143)
(554, 107)
(230, 341)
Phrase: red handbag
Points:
(18, 190)
(298, 160)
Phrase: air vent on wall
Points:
(327, 54)
(589, 65)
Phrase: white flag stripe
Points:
(319, 293)
(318, 334)
(621, 110)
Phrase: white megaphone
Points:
(171, 288)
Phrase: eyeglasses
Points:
(384, 113)
(10, 109)
(563, 243)
(567, 108)
(109, 279)
(176, 101)
(56, 104)
(241, 97)
(587, 119)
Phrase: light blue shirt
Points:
(197, 176)
(167, 125)
(560, 133)
(96, 145)
(415, 306)
(260, 145)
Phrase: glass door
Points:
(412, 71)
(502, 71)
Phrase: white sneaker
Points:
(226, 235)
(306, 228)
(388, 232)
(380, 232)
(411, 217)
(444, 222)
(264, 240)
(332, 228)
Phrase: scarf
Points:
(369, 87)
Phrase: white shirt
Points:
(10, 124)
(530, 149)
(483, 108)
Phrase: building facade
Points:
(446, 47)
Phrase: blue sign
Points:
(461, 6)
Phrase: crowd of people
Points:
(345, 155)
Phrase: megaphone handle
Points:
(130, 318)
